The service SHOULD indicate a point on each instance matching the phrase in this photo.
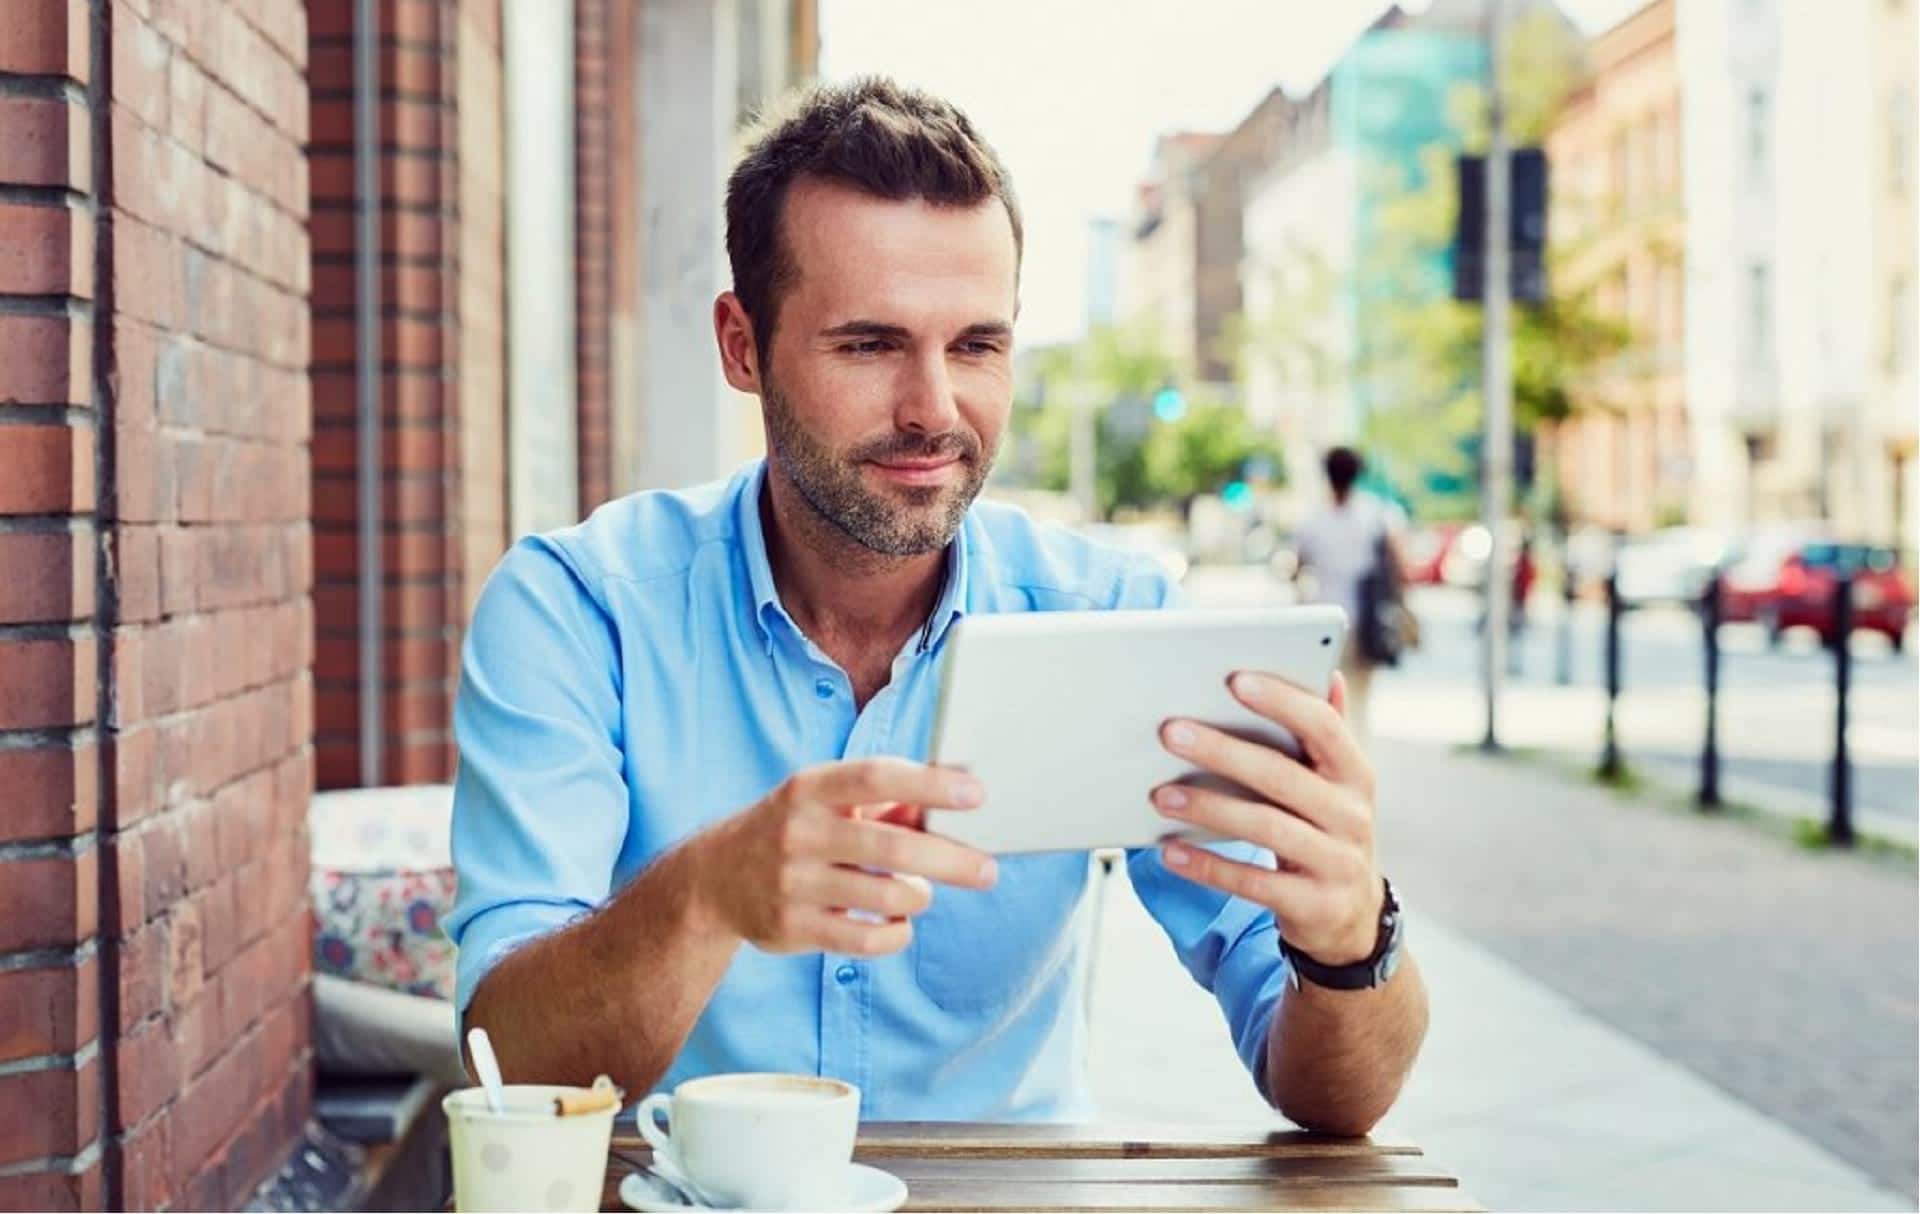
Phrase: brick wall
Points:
(154, 621)
(432, 482)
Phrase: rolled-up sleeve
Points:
(1229, 945)
(541, 806)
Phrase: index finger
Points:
(878, 781)
(1323, 732)
(899, 850)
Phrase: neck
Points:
(843, 594)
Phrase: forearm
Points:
(1336, 1059)
(617, 992)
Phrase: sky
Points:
(1072, 93)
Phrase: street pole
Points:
(1081, 453)
(1496, 450)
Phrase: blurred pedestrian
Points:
(1351, 555)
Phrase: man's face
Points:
(890, 376)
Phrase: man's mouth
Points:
(918, 471)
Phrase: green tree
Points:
(1140, 462)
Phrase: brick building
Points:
(236, 422)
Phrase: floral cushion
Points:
(382, 877)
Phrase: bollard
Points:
(1563, 672)
(1610, 755)
(1840, 824)
(1709, 797)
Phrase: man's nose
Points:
(926, 403)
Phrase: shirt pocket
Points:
(980, 951)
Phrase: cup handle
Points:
(659, 1102)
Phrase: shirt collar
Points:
(767, 607)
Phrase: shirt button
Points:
(823, 688)
(845, 975)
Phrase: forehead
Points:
(880, 259)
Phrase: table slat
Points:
(1307, 1170)
(1015, 1195)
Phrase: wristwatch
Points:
(1364, 975)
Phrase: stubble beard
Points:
(907, 520)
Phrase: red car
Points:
(1427, 551)
(1800, 593)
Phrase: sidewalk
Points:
(1530, 1102)
(1590, 962)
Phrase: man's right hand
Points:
(781, 874)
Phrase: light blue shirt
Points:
(634, 679)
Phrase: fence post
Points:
(1840, 824)
(1610, 755)
(1710, 749)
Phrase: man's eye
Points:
(864, 347)
(979, 348)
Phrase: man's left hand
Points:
(1316, 817)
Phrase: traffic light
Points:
(1238, 495)
(1169, 405)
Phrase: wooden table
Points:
(968, 1166)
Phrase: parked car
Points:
(1803, 591)
(1427, 551)
(1751, 576)
(1672, 565)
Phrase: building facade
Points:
(279, 381)
(1618, 223)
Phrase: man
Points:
(1338, 546)
(692, 727)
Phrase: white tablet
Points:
(1059, 713)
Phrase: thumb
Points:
(1337, 694)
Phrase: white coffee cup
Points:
(525, 1157)
(758, 1141)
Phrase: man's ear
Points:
(733, 331)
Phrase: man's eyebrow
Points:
(987, 328)
(866, 328)
(874, 328)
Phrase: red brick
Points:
(143, 974)
(45, 39)
(140, 69)
(49, 469)
(124, 904)
(186, 103)
(145, 1164)
(136, 567)
(46, 682)
(143, 486)
(48, 1011)
(131, 764)
(47, 144)
(56, 1191)
(45, 360)
(221, 915)
(186, 957)
(49, 902)
(51, 792)
(148, 1068)
(45, 250)
(49, 576)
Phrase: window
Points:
(1759, 309)
(1759, 105)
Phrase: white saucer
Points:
(869, 1191)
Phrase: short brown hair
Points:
(873, 134)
